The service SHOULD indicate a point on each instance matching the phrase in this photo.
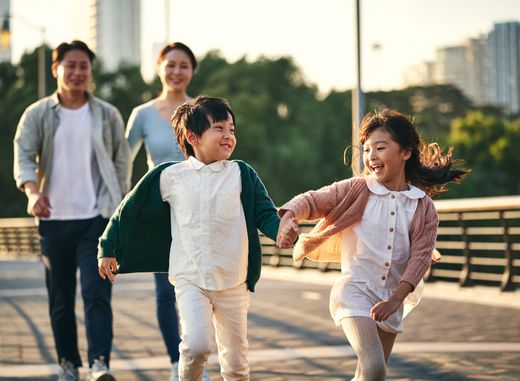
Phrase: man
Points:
(72, 161)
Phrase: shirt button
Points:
(392, 213)
(393, 196)
(383, 277)
(387, 264)
(389, 247)
(391, 230)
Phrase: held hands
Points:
(288, 231)
(107, 267)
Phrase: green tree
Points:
(18, 89)
(487, 144)
(294, 137)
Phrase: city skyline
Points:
(320, 39)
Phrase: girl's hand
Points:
(107, 267)
(382, 310)
(288, 231)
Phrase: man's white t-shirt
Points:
(74, 180)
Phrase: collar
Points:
(55, 100)
(377, 188)
(196, 164)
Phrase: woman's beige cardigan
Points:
(339, 206)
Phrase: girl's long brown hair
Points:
(428, 167)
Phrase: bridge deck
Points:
(454, 334)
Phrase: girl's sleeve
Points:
(135, 132)
(422, 244)
(316, 204)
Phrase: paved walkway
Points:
(454, 334)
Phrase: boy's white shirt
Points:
(209, 234)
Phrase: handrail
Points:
(479, 239)
(478, 204)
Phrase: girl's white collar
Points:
(377, 188)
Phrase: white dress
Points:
(374, 255)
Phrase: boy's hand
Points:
(288, 231)
(107, 267)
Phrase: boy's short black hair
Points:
(196, 115)
(59, 52)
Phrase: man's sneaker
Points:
(67, 371)
(99, 371)
(174, 376)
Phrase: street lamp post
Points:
(5, 39)
(358, 100)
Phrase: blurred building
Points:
(478, 70)
(5, 11)
(486, 69)
(450, 66)
(112, 28)
(504, 45)
(421, 74)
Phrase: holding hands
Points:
(288, 231)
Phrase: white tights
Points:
(372, 346)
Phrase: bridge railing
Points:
(479, 239)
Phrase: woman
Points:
(150, 124)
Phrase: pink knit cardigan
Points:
(339, 206)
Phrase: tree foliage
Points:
(293, 136)
(487, 143)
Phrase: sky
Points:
(318, 35)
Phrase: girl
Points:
(382, 228)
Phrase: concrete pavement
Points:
(454, 334)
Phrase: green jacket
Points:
(138, 234)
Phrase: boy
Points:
(198, 220)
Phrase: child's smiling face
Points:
(216, 143)
(385, 159)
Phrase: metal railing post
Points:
(507, 279)
(465, 274)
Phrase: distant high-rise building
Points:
(5, 11)
(478, 71)
(450, 66)
(504, 45)
(112, 28)
(421, 74)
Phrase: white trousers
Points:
(206, 316)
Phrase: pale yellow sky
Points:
(319, 35)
